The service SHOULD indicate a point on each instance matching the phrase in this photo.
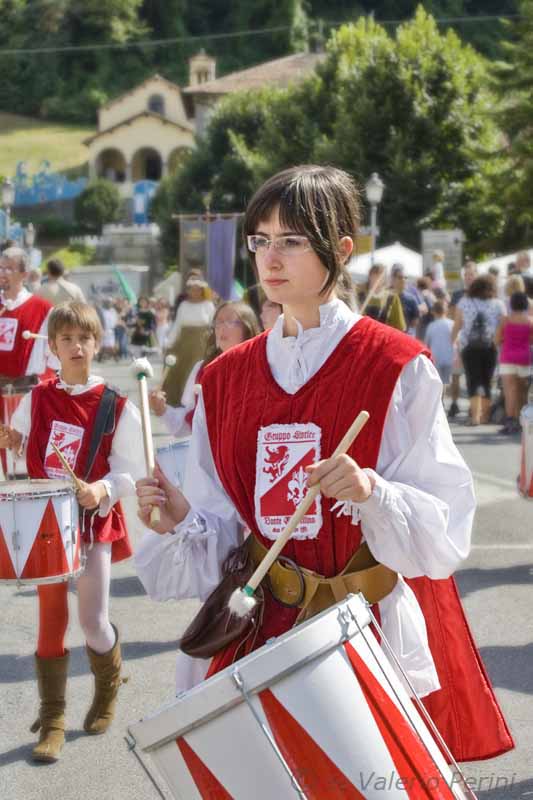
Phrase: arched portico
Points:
(111, 164)
(146, 164)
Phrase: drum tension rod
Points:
(132, 747)
(237, 679)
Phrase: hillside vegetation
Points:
(43, 77)
(33, 141)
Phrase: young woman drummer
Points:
(402, 498)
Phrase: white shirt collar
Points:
(331, 314)
(79, 388)
(293, 360)
(21, 298)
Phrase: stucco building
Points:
(144, 133)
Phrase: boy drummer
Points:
(97, 431)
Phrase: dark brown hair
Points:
(250, 327)
(482, 288)
(74, 315)
(55, 267)
(319, 202)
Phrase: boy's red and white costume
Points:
(51, 414)
(19, 356)
(274, 404)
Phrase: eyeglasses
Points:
(287, 245)
(227, 323)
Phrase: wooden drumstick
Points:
(372, 292)
(30, 335)
(76, 481)
(242, 601)
(142, 369)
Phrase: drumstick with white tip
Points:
(142, 369)
(30, 335)
(242, 601)
(170, 361)
(75, 480)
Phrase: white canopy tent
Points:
(501, 262)
(395, 253)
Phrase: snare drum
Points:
(39, 533)
(173, 460)
(317, 713)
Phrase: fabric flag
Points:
(125, 288)
(221, 256)
(237, 292)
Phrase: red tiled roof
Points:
(280, 72)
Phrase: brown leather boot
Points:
(52, 682)
(106, 670)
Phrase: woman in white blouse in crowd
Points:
(187, 337)
(234, 322)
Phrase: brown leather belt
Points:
(294, 586)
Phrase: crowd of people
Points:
(394, 513)
(482, 331)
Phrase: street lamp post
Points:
(374, 192)
(29, 239)
(8, 198)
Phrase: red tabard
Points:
(68, 420)
(15, 351)
(241, 397)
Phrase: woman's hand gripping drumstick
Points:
(157, 397)
(142, 369)
(242, 601)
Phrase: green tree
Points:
(514, 79)
(416, 110)
(413, 107)
(98, 205)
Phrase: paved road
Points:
(495, 583)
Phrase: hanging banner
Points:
(221, 258)
(193, 244)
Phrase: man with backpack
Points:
(477, 316)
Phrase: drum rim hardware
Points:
(239, 683)
(346, 613)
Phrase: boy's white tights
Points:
(93, 599)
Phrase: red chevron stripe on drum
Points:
(47, 556)
(7, 571)
(316, 773)
(419, 773)
(206, 783)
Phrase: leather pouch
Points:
(214, 627)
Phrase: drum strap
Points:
(311, 592)
(103, 423)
